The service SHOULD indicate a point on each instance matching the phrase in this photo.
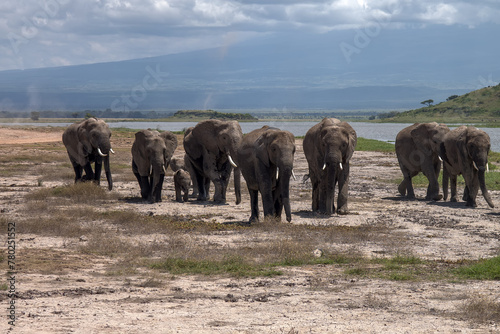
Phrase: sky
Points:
(51, 33)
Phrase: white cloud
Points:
(105, 30)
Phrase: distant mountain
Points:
(482, 105)
(280, 72)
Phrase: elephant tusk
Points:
(440, 159)
(164, 170)
(232, 161)
(100, 153)
(474, 164)
(324, 166)
(340, 165)
(111, 150)
(487, 168)
(293, 175)
(277, 172)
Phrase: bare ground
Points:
(75, 292)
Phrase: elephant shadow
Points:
(444, 204)
(311, 214)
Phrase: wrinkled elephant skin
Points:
(151, 154)
(328, 147)
(266, 159)
(418, 150)
(210, 151)
(88, 142)
(465, 151)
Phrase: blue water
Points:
(379, 131)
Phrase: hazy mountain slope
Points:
(299, 71)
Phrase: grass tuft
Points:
(488, 269)
(481, 309)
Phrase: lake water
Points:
(379, 131)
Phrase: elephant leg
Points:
(265, 188)
(432, 173)
(453, 188)
(202, 187)
(410, 194)
(465, 196)
(342, 208)
(225, 177)
(322, 194)
(97, 173)
(402, 188)
(89, 173)
(145, 187)
(78, 172)
(315, 191)
(278, 202)
(254, 205)
(471, 189)
(446, 179)
(157, 189)
(186, 194)
(178, 196)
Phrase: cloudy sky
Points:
(47, 33)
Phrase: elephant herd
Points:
(464, 150)
(216, 148)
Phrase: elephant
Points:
(210, 147)
(190, 168)
(182, 183)
(418, 150)
(328, 147)
(266, 161)
(465, 151)
(151, 154)
(88, 142)
(176, 164)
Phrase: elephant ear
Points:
(170, 142)
(141, 140)
(352, 139)
(83, 133)
(421, 136)
(261, 149)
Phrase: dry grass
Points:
(481, 309)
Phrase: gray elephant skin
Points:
(266, 161)
(210, 147)
(328, 147)
(465, 151)
(188, 166)
(182, 183)
(151, 154)
(182, 179)
(418, 150)
(88, 142)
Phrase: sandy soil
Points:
(309, 299)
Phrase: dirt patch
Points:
(63, 285)
(29, 135)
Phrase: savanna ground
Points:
(93, 261)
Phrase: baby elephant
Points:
(182, 183)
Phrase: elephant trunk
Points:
(330, 189)
(284, 187)
(482, 185)
(332, 166)
(157, 181)
(108, 172)
(237, 185)
(446, 180)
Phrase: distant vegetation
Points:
(479, 106)
(212, 114)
